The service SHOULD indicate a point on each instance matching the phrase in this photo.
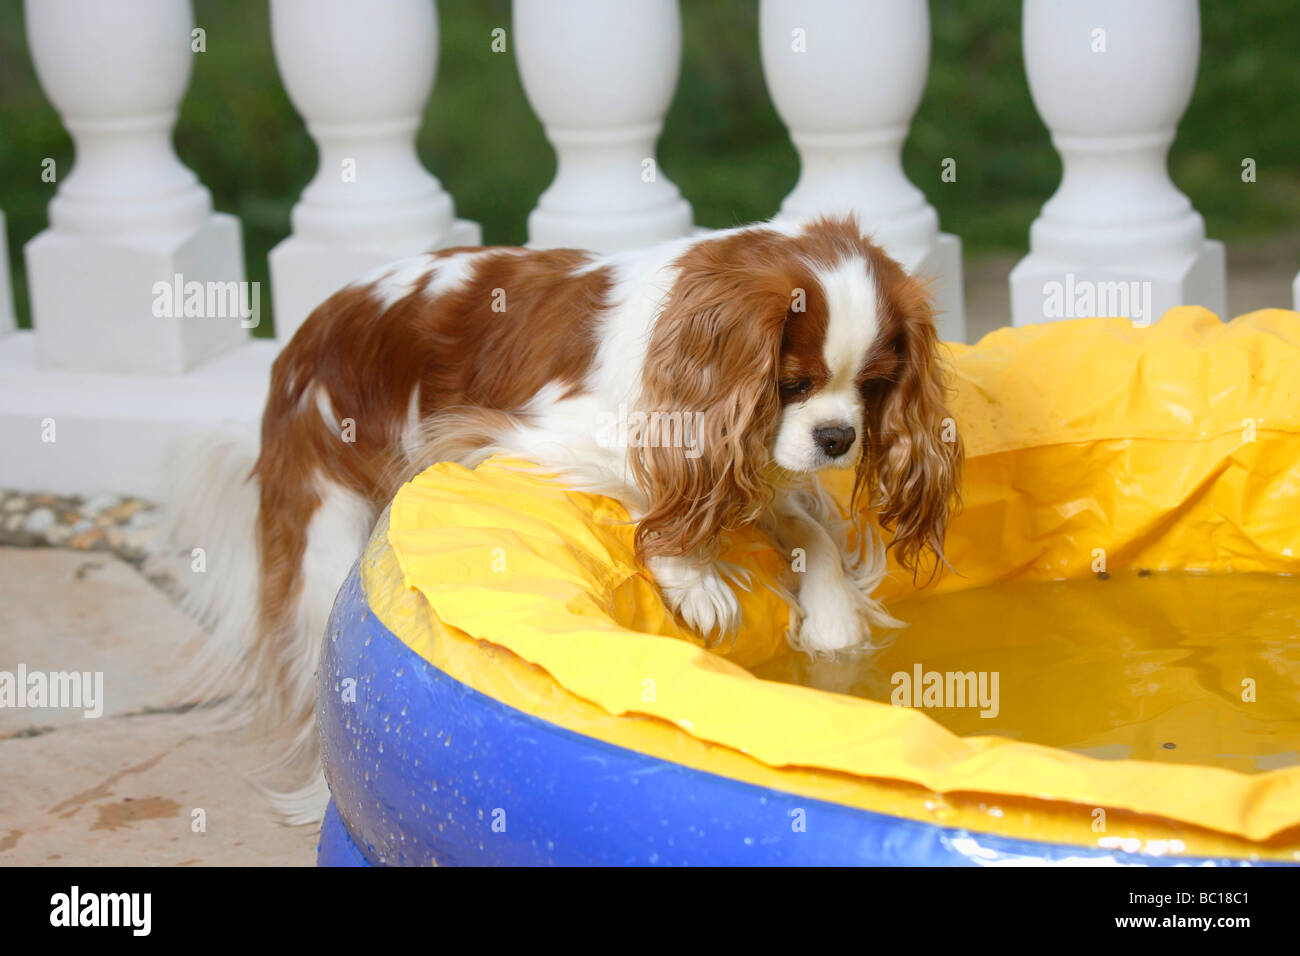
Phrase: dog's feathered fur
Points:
(774, 336)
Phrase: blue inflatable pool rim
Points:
(423, 768)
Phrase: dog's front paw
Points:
(832, 621)
(839, 615)
(699, 594)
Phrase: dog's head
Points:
(796, 349)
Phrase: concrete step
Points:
(137, 785)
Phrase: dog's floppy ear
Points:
(713, 359)
(912, 456)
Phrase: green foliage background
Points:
(723, 143)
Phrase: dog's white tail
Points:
(210, 542)
(249, 673)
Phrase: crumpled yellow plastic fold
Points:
(1170, 447)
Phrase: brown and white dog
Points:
(786, 348)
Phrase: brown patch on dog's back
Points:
(518, 321)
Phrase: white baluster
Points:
(1295, 293)
(360, 76)
(600, 75)
(1111, 79)
(847, 78)
(129, 215)
(7, 323)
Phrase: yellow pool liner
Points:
(1170, 447)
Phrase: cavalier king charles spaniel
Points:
(781, 349)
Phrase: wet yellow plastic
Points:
(1168, 667)
(1173, 447)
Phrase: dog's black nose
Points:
(833, 439)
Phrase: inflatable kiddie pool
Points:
(500, 684)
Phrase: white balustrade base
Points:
(93, 298)
(1200, 280)
(112, 432)
(7, 322)
(1295, 293)
(618, 232)
(942, 264)
(305, 273)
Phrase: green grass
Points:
(723, 144)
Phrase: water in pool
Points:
(1173, 668)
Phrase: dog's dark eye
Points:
(871, 387)
(801, 386)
